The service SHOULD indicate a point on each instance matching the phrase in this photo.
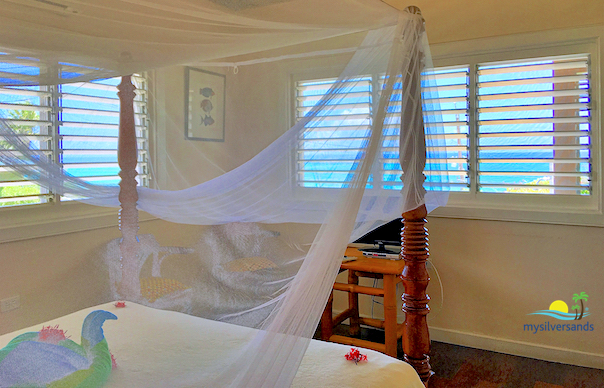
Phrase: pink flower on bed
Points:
(120, 304)
(356, 356)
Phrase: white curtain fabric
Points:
(81, 39)
(290, 292)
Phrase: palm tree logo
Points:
(580, 297)
(559, 309)
(576, 307)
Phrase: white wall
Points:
(495, 273)
(191, 162)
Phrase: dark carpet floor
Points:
(462, 367)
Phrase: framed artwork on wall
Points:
(204, 105)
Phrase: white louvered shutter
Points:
(534, 126)
(340, 151)
(447, 109)
(74, 125)
(88, 130)
(445, 94)
(445, 97)
(28, 110)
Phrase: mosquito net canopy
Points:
(118, 37)
(278, 224)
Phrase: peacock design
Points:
(48, 359)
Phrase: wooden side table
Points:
(376, 268)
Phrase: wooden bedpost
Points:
(128, 217)
(416, 338)
(414, 235)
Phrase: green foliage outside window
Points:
(8, 176)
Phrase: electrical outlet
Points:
(9, 304)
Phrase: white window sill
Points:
(530, 208)
(35, 221)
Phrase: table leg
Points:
(390, 313)
(327, 319)
(353, 305)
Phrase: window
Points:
(339, 154)
(352, 115)
(74, 125)
(511, 127)
(449, 103)
(533, 126)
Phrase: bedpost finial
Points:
(413, 9)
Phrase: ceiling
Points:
(460, 20)
(455, 20)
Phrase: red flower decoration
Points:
(120, 304)
(51, 335)
(113, 362)
(356, 356)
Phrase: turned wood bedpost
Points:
(128, 216)
(414, 235)
(416, 338)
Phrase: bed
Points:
(149, 353)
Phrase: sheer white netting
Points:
(276, 277)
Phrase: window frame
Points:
(554, 209)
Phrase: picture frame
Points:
(205, 97)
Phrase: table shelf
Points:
(370, 267)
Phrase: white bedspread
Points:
(156, 348)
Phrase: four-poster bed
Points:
(414, 235)
(284, 299)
